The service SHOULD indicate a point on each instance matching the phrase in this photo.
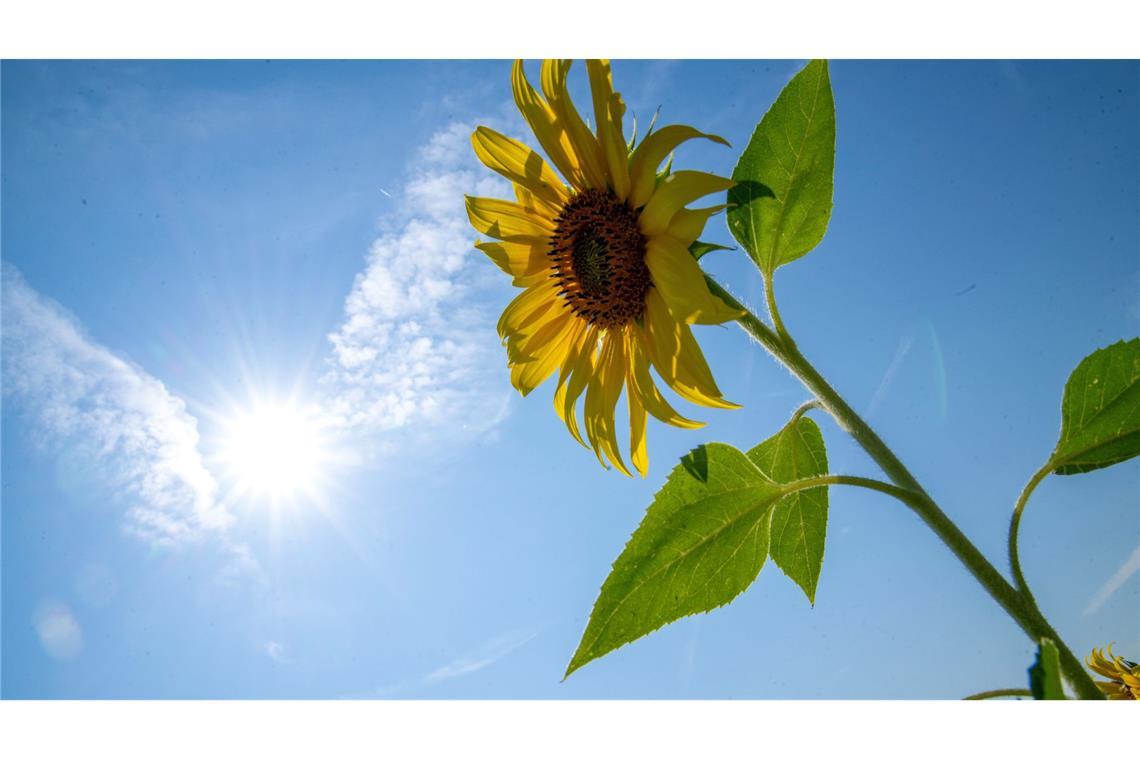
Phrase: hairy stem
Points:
(1014, 603)
(804, 408)
(1015, 525)
(774, 311)
(994, 693)
(907, 497)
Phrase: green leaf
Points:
(700, 248)
(1100, 412)
(799, 520)
(702, 542)
(781, 204)
(1045, 673)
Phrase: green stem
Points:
(993, 693)
(1024, 614)
(1015, 525)
(773, 310)
(804, 408)
(907, 497)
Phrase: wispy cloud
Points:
(416, 343)
(77, 393)
(488, 654)
(905, 343)
(1113, 584)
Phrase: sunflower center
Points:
(598, 256)
(591, 262)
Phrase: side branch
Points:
(1017, 605)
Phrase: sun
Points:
(274, 450)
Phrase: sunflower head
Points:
(1124, 674)
(598, 240)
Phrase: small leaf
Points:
(799, 520)
(702, 542)
(1045, 673)
(700, 248)
(780, 207)
(1100, 412)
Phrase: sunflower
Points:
(609, 286)
(1125, 675)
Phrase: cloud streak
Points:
(1130, 567)
(487, 655)
(77, 393)
(905, 343)
(415, 344)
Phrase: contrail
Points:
(1126, 571)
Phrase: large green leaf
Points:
(781, 204)
(1045, 673)
(799, 520)
(702, 542)
(1100, 412)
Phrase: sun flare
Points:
(275, 451)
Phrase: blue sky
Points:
(183, 242)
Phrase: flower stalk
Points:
(1014, 602)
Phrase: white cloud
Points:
(1130, 567)
(76, 393)
(416, 345)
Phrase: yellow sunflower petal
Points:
(526, 308)
(524, 347)
(678, 277)
(547, 129)
(641, 383)
(649, 155)
(1103, 672)
(638, 453)
(585, 145)
(506, 220)
(608, 111)
(529, 375)
(1110, 689)
(537, 204)
(688, 224)
(575, 375)
(590, 408)
(677, 358)
(518, 163)
(601, 398)
(674, 193)
(1101, 664)
(519, 260)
